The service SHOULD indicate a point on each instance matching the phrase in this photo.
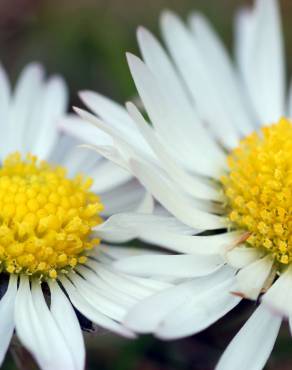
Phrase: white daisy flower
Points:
(217, 156)
(53, 266)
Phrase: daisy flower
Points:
(53, 266)
(217, 155)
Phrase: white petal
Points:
(65, 317)
(5, 99)
(223, 74)
(263, 59)
(196, 75)
(25, 322)
(251, 347)
(146, 315)
(252, 278)
(243, 38)
(53, 105)
(26, 93)
(116, 229)
(202, 310)
(126, 226)
(191, 244)
(149, 221)
(7, 304)
(37, 329)
(160, 265)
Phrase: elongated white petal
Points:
(147, 315)
(7, 304)
(65, 317)
(125, 226)
(179, 266)
(196, 76)
(201, 311)
(50, 334)
(25, 322)
(37, 329)
(27, 91)
(264, 58)
(251, 347)
(243, 39)
(224, 78)
(191, 244)
(144, 221)
(116, 229)
(252, 278)
(53, 106)
(5, 101)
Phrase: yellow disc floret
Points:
(259, 189)
(46, 219)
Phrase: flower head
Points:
(53, 254)
(217, 156)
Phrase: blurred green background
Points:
(85, 41)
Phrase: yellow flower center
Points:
(258, 189)
(46, 219)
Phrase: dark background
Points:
(85, 41)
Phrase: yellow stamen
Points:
(258, 189)
(46, 219)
